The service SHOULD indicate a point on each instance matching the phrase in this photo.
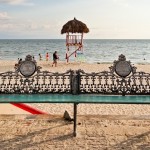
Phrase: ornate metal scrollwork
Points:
(121, 79)
(28, 78)
(122, 67)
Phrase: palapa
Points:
(74, 26)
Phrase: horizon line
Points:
(65, 39)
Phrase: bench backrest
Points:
(109, 83)
(122, 79)
(41, 82)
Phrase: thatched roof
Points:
(74, 26)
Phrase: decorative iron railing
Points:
(110, 83)
(41, 82)
(37, 82)
(121, 79)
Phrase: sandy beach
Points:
(6, 65)
(36, 132)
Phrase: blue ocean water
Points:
(95, 50)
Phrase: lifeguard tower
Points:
(74, 30)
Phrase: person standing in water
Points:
(55, 58)
(40, 57)
(47, 56)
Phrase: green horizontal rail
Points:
(69, 98)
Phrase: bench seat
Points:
(69, 98)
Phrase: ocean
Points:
(95, 50)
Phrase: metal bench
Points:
(121, 85)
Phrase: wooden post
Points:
(82, 39)
(67, 47)
(81, 48)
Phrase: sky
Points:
(106, 19)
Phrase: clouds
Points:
(17, 2)
(5, 22)
(20, 28)
(112, 18)
(122, 3)
(4, 16)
